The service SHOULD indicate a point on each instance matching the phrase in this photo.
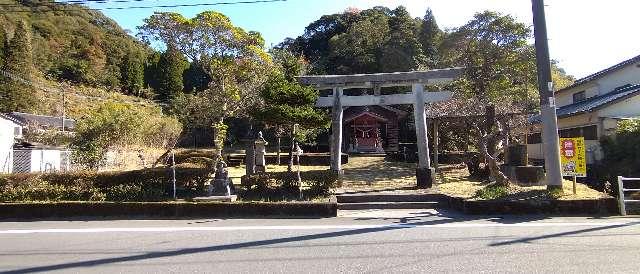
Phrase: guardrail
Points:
(622, 190)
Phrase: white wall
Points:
(43, 160)
(629, 107)
(6, 145)
(627, 75)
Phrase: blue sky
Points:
(585, 35)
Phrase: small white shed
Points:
(39, 158)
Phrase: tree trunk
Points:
(492, 163)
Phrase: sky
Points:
(585, 36)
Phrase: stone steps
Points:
(389, 205)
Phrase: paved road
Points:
(365, 241)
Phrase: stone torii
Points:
(418, 97)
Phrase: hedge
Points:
(152, 184)
(284, 185)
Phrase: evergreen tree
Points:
(16, 93)
(430, 38)
(195, 78)
(3, 45)
(402, 52)
(132, 74)
(170, 68)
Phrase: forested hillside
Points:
(76, 44)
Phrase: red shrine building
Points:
(372, 129)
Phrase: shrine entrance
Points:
(366, 134)
(417, 80)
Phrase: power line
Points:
(79, 7)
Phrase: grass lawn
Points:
(455, 181)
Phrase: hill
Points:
(79, 46)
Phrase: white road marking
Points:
(306, 227)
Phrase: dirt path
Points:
(373, 173)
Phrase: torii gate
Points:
(418, 97)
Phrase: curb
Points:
(605, 206)
(166, 209)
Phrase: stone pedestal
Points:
(425, 177)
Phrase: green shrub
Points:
(204, 161)
(182, 155)
(37, 189)
(137, 185)
(492, 192)
(284, 185)
(621, 155)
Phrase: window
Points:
(579, 97)
(588, 132)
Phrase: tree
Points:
(132, 74)
(112, 125)
(499, 78)
(287, 103)
(195, 79)
(430, 37)
(234, 59)
(402, 51)
(169, 70)
(3, 45)
(358, 50)
(16, 93)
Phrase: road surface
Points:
(362, 241)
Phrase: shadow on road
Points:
(402, 223)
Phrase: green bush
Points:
(137, 185)
(284, 185)
(492, 192)
(621, 155)
(37, 189)
(183, 155)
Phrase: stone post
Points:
(261, 151)
(336, 127)
(425, 174)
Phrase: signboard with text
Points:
(573, 157)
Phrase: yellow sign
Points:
(573, 157)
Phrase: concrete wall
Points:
(6, 145)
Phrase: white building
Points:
(592, 107)
(9, 131)
(39, 158)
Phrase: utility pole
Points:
(64, 112)
(550, 139)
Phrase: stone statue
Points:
(221, 181)
(261, 151)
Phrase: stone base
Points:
(230, 198)
(260, 169)
(425, 177)
(524, 175)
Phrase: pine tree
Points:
(402, 52)
(169, 70)
(430, 37)
(16, 92)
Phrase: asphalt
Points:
(372, 241)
